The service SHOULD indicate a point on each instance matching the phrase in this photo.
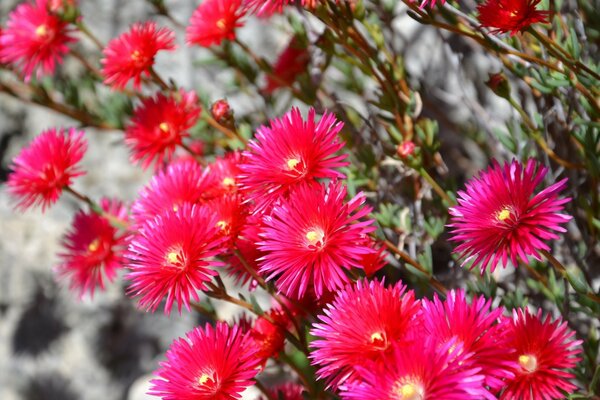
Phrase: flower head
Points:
(290, 153)
(172, 256)
(312, 238)
(286, 391)
(211, 363)
(266, 8)
(499, 216)
(292, 62)
(214, 21)
(158, 126)
(34, 40)
(94, 249)
(544, 350)
(43, 169)
(226, 171)
(510, 15)
(131, 55)
(361, 326)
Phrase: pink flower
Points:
(211, 363)
(510, 15)
(231, 215)
(226, 170)
(214, 21)
(286, 391)
(361, 326)
(475, 326)
(158, 126)
(172, 256)
(499, 216)
(266, 8)
(430, 3)
(131, 55)
(290, 153)
(94, 249)
(544, 350)
(34, 39)
(43, 169)
(419, 372)
(312, 238)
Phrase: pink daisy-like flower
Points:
(499, 216)
(313, 237)
(34, 39)
(286, 391)
(361, 326)
(44, 168)
(172, 256)
(289, 153)
(211, 363)
(544, 351)
(214, 21)
(131, 55)
(159, 125)
(226, 170)
(231, 215)
(94, 249)
(180, 183)
(420, 372)
(476, 327)
(510, 15)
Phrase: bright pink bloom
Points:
(545, 349)
(214, 21)
(476, 327)
(226, 170)
(43, 169)
(286, 391)
(94, 249)
(419, 372)
(131, 55)
(265, 8)
(158, 126)
(290, 153)
(34, 39)
(361, 326)
(211, 363)
(313, 237)
(292, 62)
(510, 15)
(180, 183)
(231, 215)
(172, 256)
(499, 217)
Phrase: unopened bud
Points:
(499, 85)
(221, 111)
(406, 148)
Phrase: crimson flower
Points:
(290, 153)
(158, 126)
(94, 248)
(286, 391)
(35, 40)
(292, 62)
(172, 256)
(361, 326)
(312, 238)
(499, 216)
(544, 350)
(211, 363)
(214, 21)
(510, 15)
(131, 55)
(44, 168)
(266, 8)
(226, 171)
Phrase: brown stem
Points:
(223, 129)
(85, 30)
(158, 80)
(563, 272)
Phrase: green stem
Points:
(436, 187)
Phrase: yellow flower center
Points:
(292, 163)
(173, 258)
(221, 24)
(222, 225)
(378, 339)
(228, 181)
(503, 214)
(94, 245)
(528, 362)
(41, 31)
(136, 55)
(315, 236)
(163, 126)
(410, 391)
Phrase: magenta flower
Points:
(214, 21)
(211, 363)
(361, 327)
(313, 237)
(499, 217)
(35, 40)
(44, 168)
(171, 257)
(290, 153)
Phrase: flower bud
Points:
(406, 148)
(221, 111)
(499, 85)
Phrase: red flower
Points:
(375, 260)
(499, 217)
(34, 39)
(269, 337)
(286, 391)
(290, 153)
(213, 363)
(231, 215)
(545, 349)
(214, 21)
(362, 325)
(171, 257)
(94, 249)
(292, 62)
(312, 238)
(265, 8)
(159, 124)
(226, 170)
(43, 169)
(131, 55)
(510, 15)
